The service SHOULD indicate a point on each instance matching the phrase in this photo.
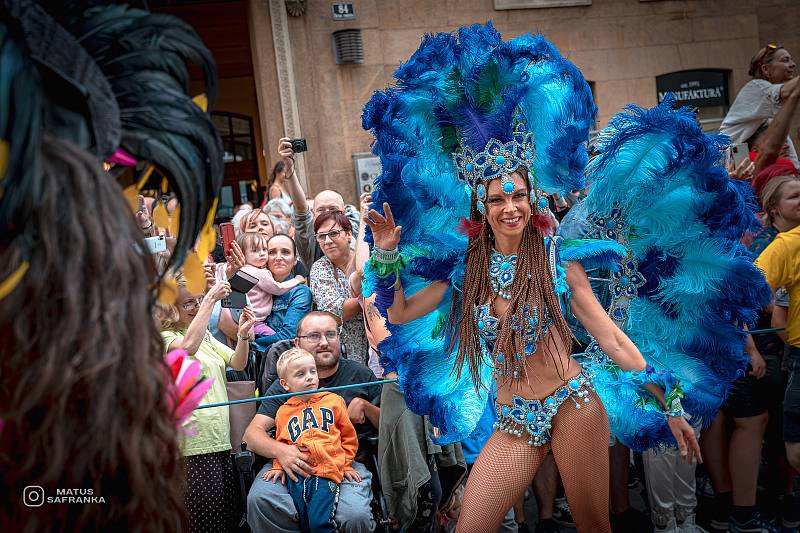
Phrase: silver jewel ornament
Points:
(501, 273)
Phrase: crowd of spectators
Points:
(308, 258)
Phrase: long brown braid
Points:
(532, 287)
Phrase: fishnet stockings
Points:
(507, 464)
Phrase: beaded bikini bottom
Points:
(535, 417)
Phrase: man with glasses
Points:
(775, 77)
(303, 217)
(269, 505)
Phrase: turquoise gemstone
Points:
(531, 417)
(508, 187)
(499, 159)
(481, 324)
(542, 203)
(573, 384)
(527, 154)
(499, 358)
(470, 167)
(624, 280)
(505, 410)
(504, 265)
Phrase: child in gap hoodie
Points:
(318, 422)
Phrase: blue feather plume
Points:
(680, 219)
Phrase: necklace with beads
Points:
(501, 273)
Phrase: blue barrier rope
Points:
(765, 330)
(290, 394)
(368, 383)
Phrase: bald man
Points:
(303, 216)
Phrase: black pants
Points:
(428, 500)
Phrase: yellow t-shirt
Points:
(208, 430)
(780, 262)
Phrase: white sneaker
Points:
(690, 526)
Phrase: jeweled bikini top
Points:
(534, 320)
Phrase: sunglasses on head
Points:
(771, 47)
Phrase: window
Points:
(241, 165)
(237, 136)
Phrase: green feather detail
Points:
(441, 322)
(385, 270)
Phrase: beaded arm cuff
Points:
(385, 265)
(673, 392)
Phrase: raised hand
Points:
(218, 291)
(235, 259)
(744, 171)
(246, 322)
(364, 202)
(385, 233)
(287, 156)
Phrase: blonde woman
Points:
(211, 491)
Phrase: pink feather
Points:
(188, 386)
(121, 157)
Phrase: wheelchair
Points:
(247, 464)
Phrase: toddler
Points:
(254, 248)
(319, 423)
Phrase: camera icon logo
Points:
(33, 496)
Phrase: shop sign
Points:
(695, 88)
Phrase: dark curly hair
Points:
(84, 382)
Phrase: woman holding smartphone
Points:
(211, 490)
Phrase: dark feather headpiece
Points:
(114, 80)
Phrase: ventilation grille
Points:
(348, 46)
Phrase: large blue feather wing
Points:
(686, 286)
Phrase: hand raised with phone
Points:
(218, 291)
(246, 322)
(287, 156)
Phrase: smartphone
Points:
(241, 283)
(739, 152)
(228, 235)
(156, 244)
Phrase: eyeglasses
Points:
(191, 304)
(332, 234)
(331, 209)
(316, 336)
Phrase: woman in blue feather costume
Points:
(478, 129)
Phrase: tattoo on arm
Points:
(372, 311)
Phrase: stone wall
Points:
(619, 45)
